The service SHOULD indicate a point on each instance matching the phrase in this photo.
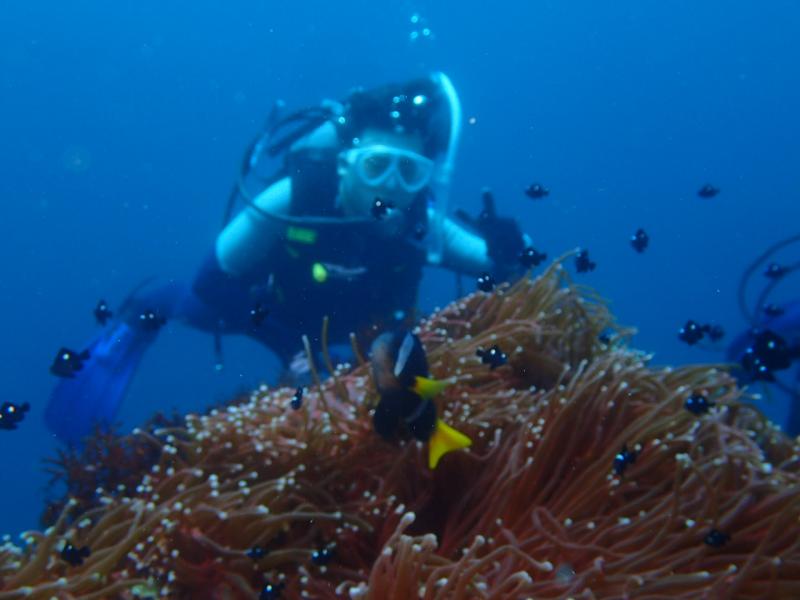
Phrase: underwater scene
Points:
(400, 300)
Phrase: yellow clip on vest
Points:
(319, 272)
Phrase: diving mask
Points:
(377, 163)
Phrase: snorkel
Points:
(443, 173)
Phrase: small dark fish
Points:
(767, 353)
(102, 313)
(322, 556)
(381, 208)
(776, 271)
(622, 460)
(708, 191)
(68, 362)
(604, 338)
(755, 367)
(583, 264)
(530, 257)
(773, 349)
(486, 283)
(257, 552)
(698, 404)
(715, 538)
(297, 399)
(271, 591)
(773, 310)
(74, 556)
(714, 332)
(640, 240)
(536, 191)
(494, 357)
(420, 231)
(12, 414)
(258, 313)
(691, 332)
(149, 320)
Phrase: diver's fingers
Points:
(468, 219)
(489, 207)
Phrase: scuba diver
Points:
(772, 342)
(341, 229)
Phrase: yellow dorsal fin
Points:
(445, 439)
(427, 387)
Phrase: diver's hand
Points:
(504, 238)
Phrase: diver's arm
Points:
(463, 251)
(247, 239)
(468, 253)
(501, 241)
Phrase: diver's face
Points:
(357, 195)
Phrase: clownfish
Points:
(400, 372)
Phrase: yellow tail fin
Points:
(444, 440)
(428, 388)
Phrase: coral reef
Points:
(107, 460)
(315, 503)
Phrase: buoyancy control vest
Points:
(325, 264)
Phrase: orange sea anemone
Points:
(316, 503)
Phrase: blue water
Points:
(122, 127)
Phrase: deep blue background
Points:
(122, 127)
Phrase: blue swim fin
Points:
(94, 395)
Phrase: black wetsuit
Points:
(369, 285)
(370, 281)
